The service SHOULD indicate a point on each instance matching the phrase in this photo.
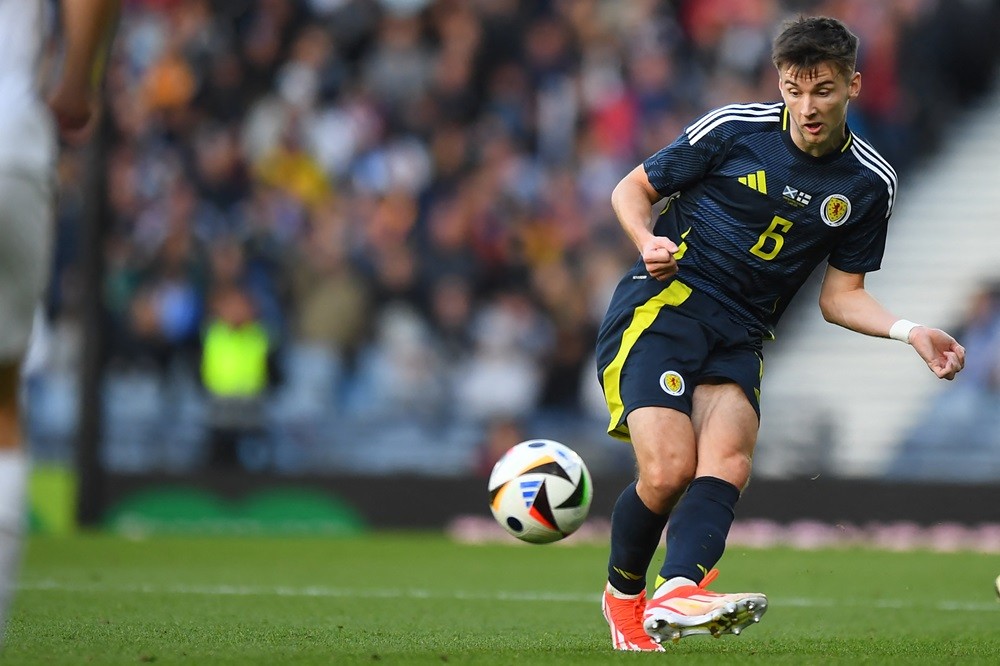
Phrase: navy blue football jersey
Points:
(753, 215)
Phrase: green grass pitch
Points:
(420, 599)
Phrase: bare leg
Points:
(665, 453)
(726, 429)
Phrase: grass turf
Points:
(419, 598)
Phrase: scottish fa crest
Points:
(835, 210)
(672, 383)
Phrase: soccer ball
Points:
(540, 491)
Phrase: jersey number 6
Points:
(772, 237)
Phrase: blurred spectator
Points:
(500, 436)
(292, 169)
(400, 374)
(981, 337)
(165, 307)
(501, 379)
(451, 309)
(330, 299)
(235, 371)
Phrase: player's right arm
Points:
(632, 200)
(87, 29)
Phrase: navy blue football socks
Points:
(699, 525)
(635, 534)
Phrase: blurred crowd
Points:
(958, 436)
(412, 196)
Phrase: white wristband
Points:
(901, 330)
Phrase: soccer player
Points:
(27, 169)
(757, 196)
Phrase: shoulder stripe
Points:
(876, 157)
(730, 108)
(768, 117)
(873, 156)
(888, 177)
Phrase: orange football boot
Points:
(692, 609)
(624, 616)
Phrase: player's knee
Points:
(661, 484)
(734, 468)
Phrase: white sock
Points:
(618, 594)
(13, 491)
(672, 585)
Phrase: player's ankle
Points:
(618, 594)
(670, 585)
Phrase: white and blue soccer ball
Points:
(540, 491)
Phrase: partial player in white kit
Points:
(28, 149)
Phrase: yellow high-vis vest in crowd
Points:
(234, 360)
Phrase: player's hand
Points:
(73, 108)
(942, 353)
(658, 255)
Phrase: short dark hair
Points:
(807, 42)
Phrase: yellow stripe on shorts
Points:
(674, 294)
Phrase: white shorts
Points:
(26, 230)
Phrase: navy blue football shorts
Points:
(652, 351)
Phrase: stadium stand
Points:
(416, 194)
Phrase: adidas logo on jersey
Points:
(796, 197)
(755, 181)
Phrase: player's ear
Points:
(854, 86)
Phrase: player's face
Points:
(817, 105)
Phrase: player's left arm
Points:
(844, 301)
